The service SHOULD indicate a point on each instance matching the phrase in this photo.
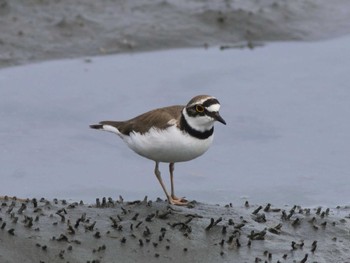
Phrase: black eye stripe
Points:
(192, 112)
(210, 102)
(200, 108)
(210, 113)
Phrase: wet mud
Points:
(152, 231)
(37, 30)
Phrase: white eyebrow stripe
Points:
(213, 108)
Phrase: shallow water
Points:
(287, 138)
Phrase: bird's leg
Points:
(157, 173)
(173, 196)
(170, 199)
(171, 171)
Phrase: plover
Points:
(170, 135)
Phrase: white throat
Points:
(199, 123)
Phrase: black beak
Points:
(219, 118)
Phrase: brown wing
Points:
(158, 118)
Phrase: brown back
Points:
(158, 118)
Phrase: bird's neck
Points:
(185, 125)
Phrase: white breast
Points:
(169, 145)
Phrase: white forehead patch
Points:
(213, 108)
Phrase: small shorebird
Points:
(171, 134)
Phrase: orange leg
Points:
(171, 200)
(173, 196)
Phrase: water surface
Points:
(287, 138)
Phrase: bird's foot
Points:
(177, 201)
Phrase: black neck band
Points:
(184, 126)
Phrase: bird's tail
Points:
(110, 126)
(96, 126)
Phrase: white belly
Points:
(170, 145)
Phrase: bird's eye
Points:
(199, 108)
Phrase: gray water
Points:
(287, 138)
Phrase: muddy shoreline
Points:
(57, 231)
(38, 30)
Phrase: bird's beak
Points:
(219, 118)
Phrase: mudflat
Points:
(141, 230)
(37, 30)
